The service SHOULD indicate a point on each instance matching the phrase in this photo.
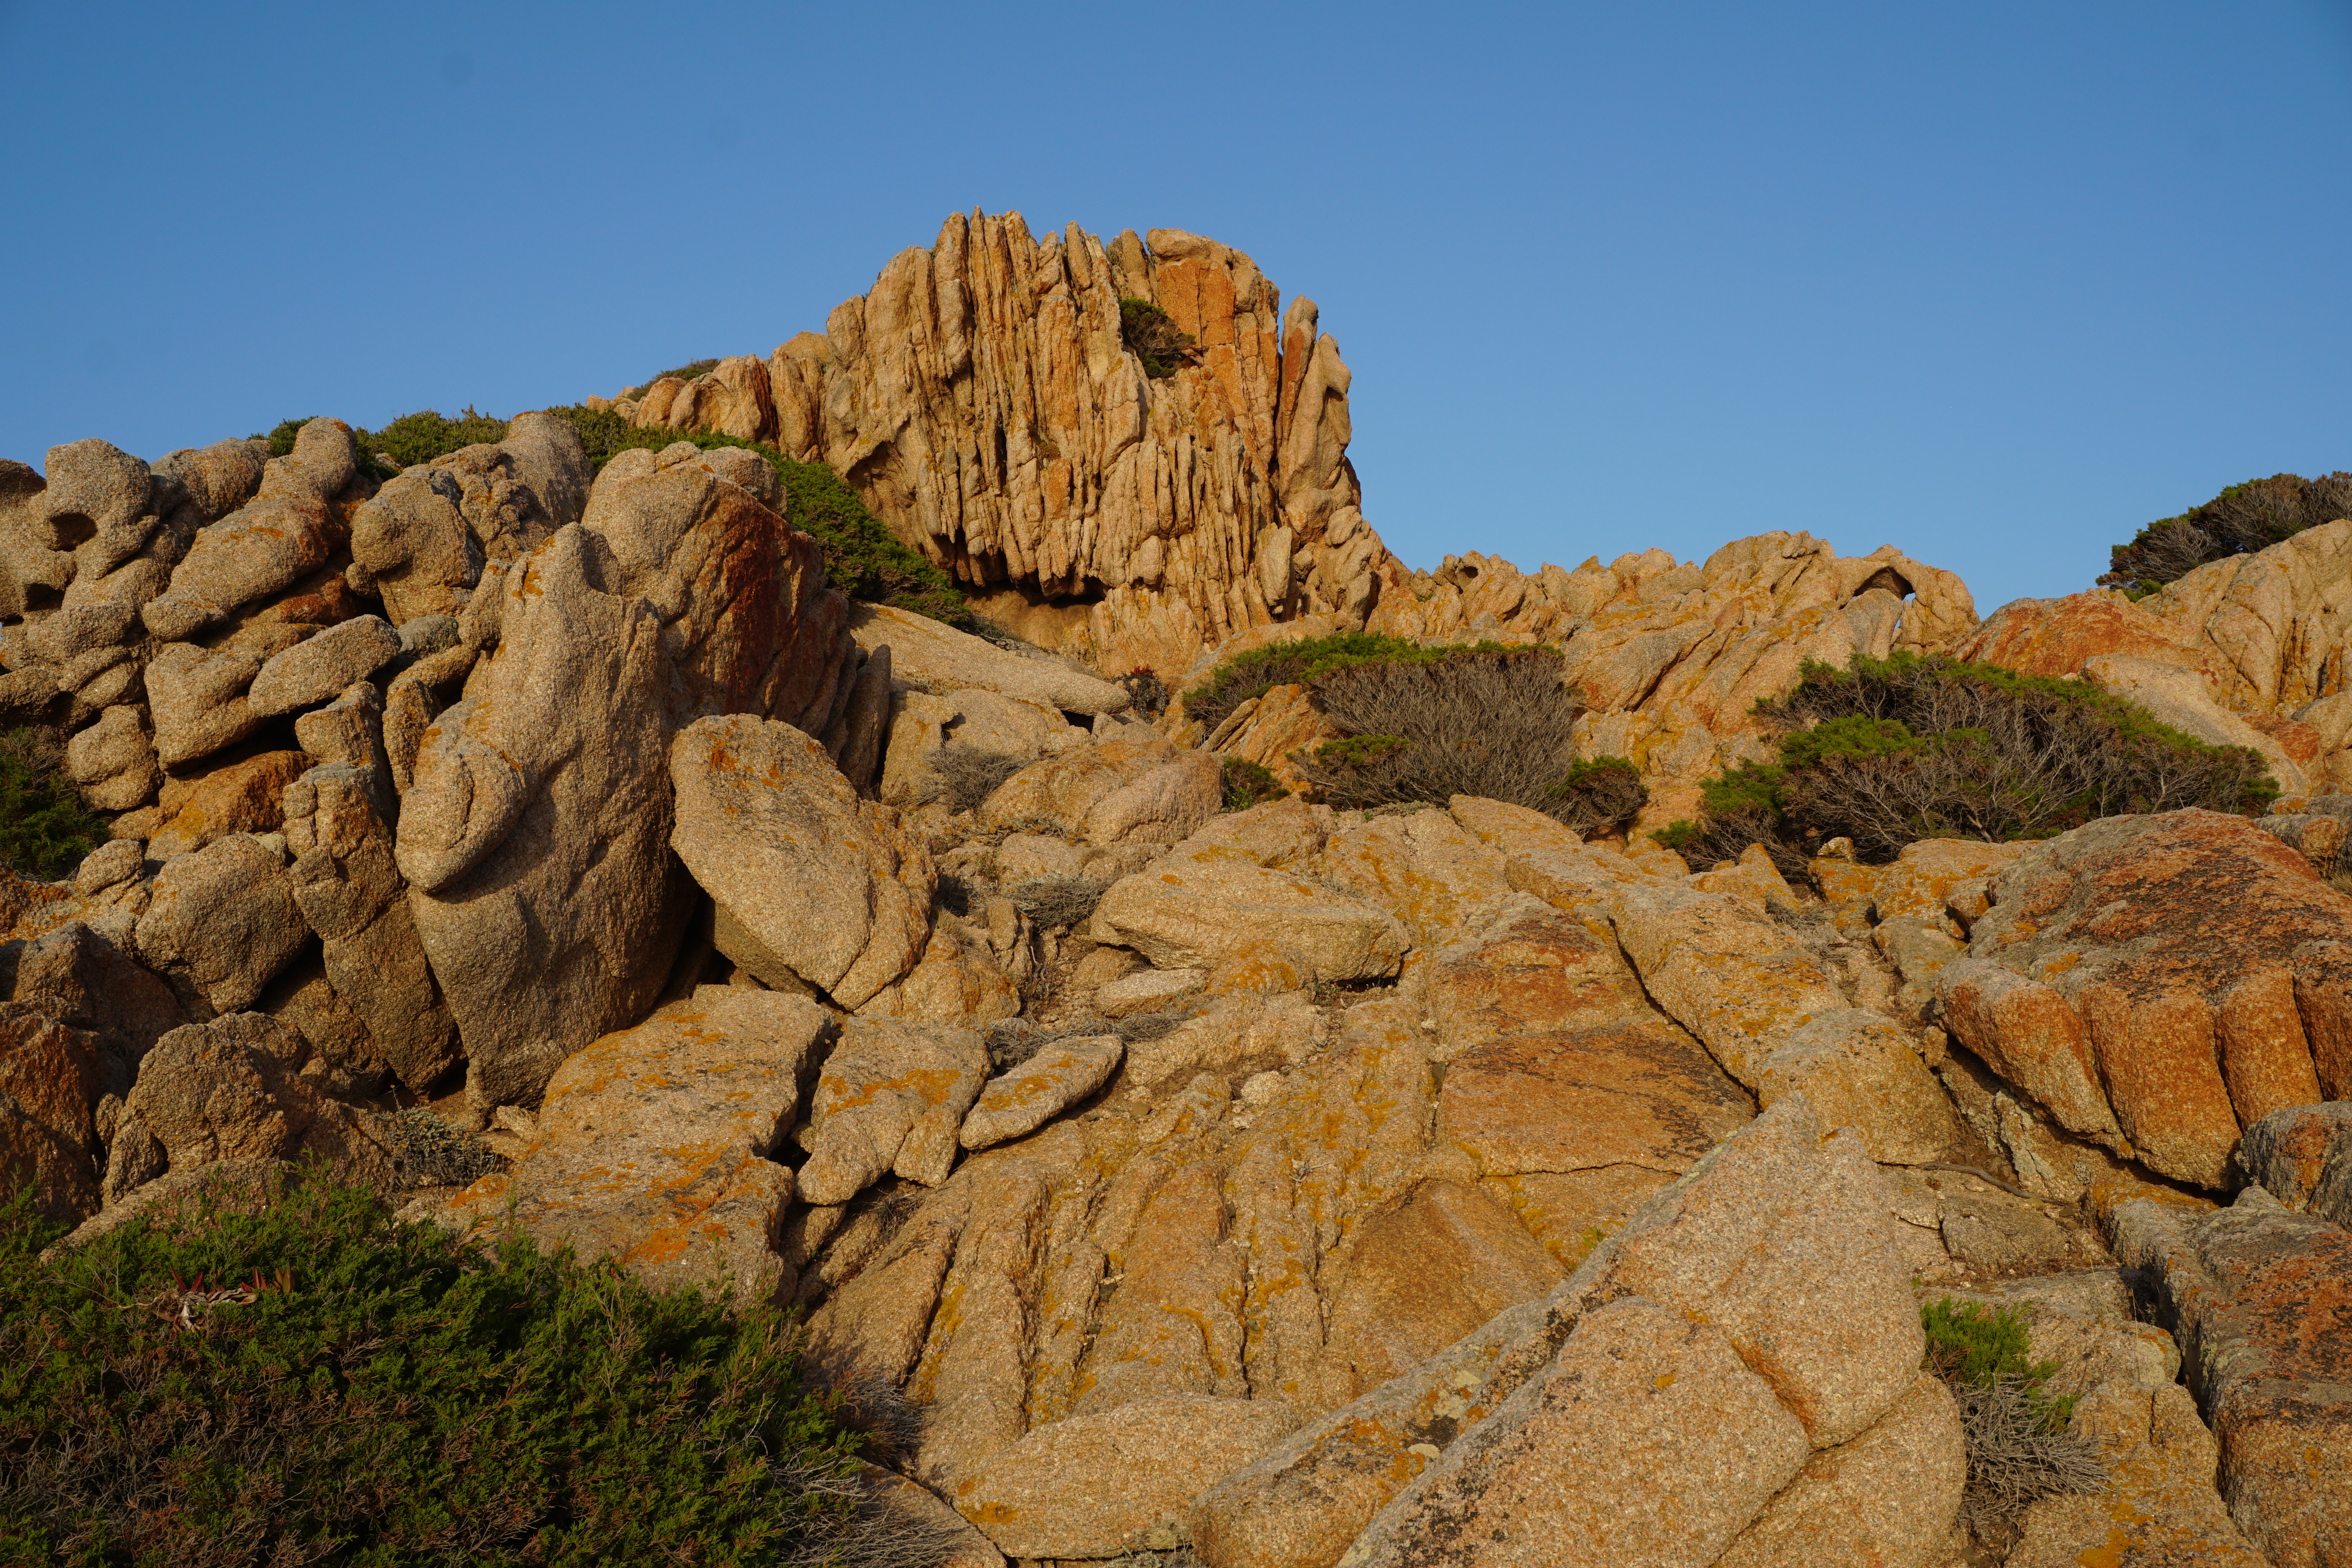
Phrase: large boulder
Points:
(50, 1077)
(654, 1144)
(535, 830)
(1136, 788)
(812, 886)
(1200, 903)
(2084, 989)
(939, 656)
(235, 1089)
(347, 883)
(222, 923)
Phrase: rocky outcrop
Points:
(2152, 1040)
(1667, 660)
(979, 397)
(652, 1144)
(2246, 651)
(2260, 1298)
(535, 832)
(420, 544)
(1692, 1341)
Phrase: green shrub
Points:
(2019, 1447)
(1152, 336)
(1249, 784)
(422, 436)
(315, 1380)
(281, 435)
(1497, 724)
(45, 828)
(1889, 751)
(2249, 516)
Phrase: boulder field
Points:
(1161, 1182)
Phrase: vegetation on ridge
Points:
(312, 1380)
(1152, 335)
(1889, 751)
(2244, 517)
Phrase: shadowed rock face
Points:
(2157, 1035)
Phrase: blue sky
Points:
(1995, 283)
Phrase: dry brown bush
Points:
(970, 773)
(1495, 725)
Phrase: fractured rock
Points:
(654, 1144)
(1025, 1099)
(890, 1098)
(813, 886)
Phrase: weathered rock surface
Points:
(236, 1088)
(2303, 1156)
(222, 923)
(1197, 905)
(892, 1098)
(535, 832)
(654, 1144)
(420, 542)
(1057, 1077)
(350, 891)
(2262, 1300)
(2158, 1041)
(813, 886)
(1163, 1452)
(50, 1077)
(288, 529)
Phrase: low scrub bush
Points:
(2019, 1447)
(1301, 663)
(970, 773)
(1889, 751)
(1492, 724)
(434, 1151)
(1052, 902)
(1249, 784)
(1152, 335)
(45, 828)
(422, 436)
(316, 1381)
(2244, 517)
(1602, 795)
(1146, 690)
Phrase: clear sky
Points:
(1996, 283)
